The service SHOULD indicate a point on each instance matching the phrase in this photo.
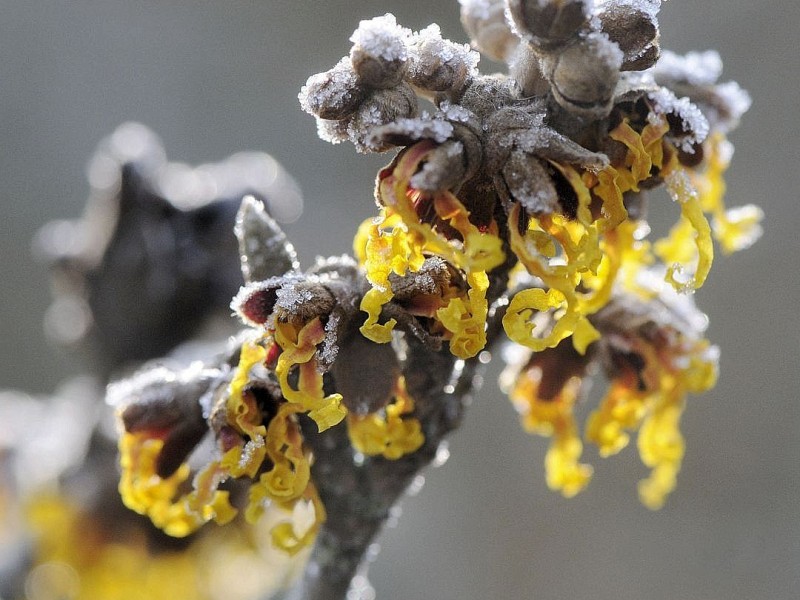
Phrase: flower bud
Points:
(334, 94)
(548, 23)
(634, 30)
(384, 106)
(379, 52)
(584, 75)
(440, 65)
(485, 22)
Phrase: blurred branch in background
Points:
(148, 271)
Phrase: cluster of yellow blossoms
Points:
(265, 450)
(578, 263)
(398, 241)
(575, 264)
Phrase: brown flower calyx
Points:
(577, 70)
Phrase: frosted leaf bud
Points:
(334, 94)
(264, 249)
(439, 65)
(584, 75)
(634, 30)
(382, 107)
(379, 52)
(485, 23)
(548, 23)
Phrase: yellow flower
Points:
(398, 240)
(553, 417)
(591, 250)
(737, 228)
(299, 350)
(392, 433)
(287, 480)
(466, 320)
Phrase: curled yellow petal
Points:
(694, 231)
(661, 447)
(372, 304)
(392, 433)
(553, 418)
(299, 349)
(242, 412)
(466, 319)
(520, 324)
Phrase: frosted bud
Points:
(548, 23)
(379, 52)
(439, 65)
(485, 22)
(529, 183)
(382, 107)
(634, 30)
(334, 132)
(334, 94)
(584, 75)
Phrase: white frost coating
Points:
(737, 101)
(249, 449)
(450, 52)
(457, 149)
(455, 112)
(605, 49)
(382, 37)
(334, 132)
(477, 9)
(680, 187)
(695, 68)
(434, 129)
(341, 80)
(290, 298)
(665, 102)
(680, 311)
(329, 351)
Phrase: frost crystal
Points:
(382, 37)
(450, 51)
(693, 121)
(694, 68)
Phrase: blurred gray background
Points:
(212, 78)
